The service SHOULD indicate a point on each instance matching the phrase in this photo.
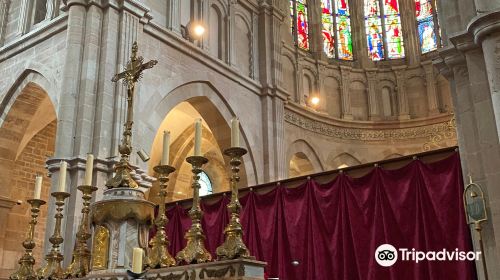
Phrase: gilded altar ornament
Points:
(25, 270)
(80, 264)
(130, 76)
(158, 255)
(195, 251)
(233, 246)
(475, 211)
(53, 269)
(100, 248)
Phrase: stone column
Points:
(360, 46)
(430, 81)
(4, 12)
(24, 17)
(68, 108)
(410, 34)
(345, 73)
(486, 30)
(173, 21)
(231, 59)
(403, 107)
(373, 101)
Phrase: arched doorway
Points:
(27, 137)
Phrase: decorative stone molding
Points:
(417, 132)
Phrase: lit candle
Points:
(88, 170)
(137, 260)
(197, 137)
(235, 132)
(38, 186)
(166, 148)
(62, 176)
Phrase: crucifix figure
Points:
(131, 75)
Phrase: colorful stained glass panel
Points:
(344, 35)
(427, 35)
(394, 39)
(302, 24)
(373, 24)
(327, 31)
(423, 9)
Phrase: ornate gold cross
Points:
(130, 76)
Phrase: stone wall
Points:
(30, 161)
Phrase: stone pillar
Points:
(24, 17)
(4, 12)
(403, 107)
(486, 30)
(231, 59)
(410, 34)
(477, 135)
(430, 81)
(360, 46)
(173, 21)
(373, 101)
(345, 73)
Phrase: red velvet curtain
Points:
(333, 230)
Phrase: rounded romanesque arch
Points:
(27, 137)
(302, 159)
(177, 111)
(342, 160)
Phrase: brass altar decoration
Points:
(25, 271)
(195, 251)
(100, 248)
(80, 264)
(475, 211)
(130, 76)
(53, 268)
(233, 246)
(158, 253)
(438, 136)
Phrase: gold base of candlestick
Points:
(25, 270)
(233, 246)
(53, 268)
(195, 251)
(80, 266)
(158, 255)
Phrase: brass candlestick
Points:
(195, 251)
(25, 271)
(233, 246)
(80, 264)
(158, 254)
(53, 269)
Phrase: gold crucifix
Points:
(130, 76)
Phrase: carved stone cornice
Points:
(362, 134)
(484, 25)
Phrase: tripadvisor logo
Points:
(386, 255)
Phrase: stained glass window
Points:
(205, 184)
(427, 25)
(373, 25)
(328, 28)
(394, 37)
(302, 24)
(344, 37)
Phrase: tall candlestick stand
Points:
(80, 264)
(25, 271)
(53, 269)
(233, 246)
(158, 254)
(195, 251)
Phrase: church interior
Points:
(249, 139)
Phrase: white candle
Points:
(62, 176)
(137, 260)
(166, 148)
(197, 137)
(235, 132)
(38, 186)
(88, 170)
